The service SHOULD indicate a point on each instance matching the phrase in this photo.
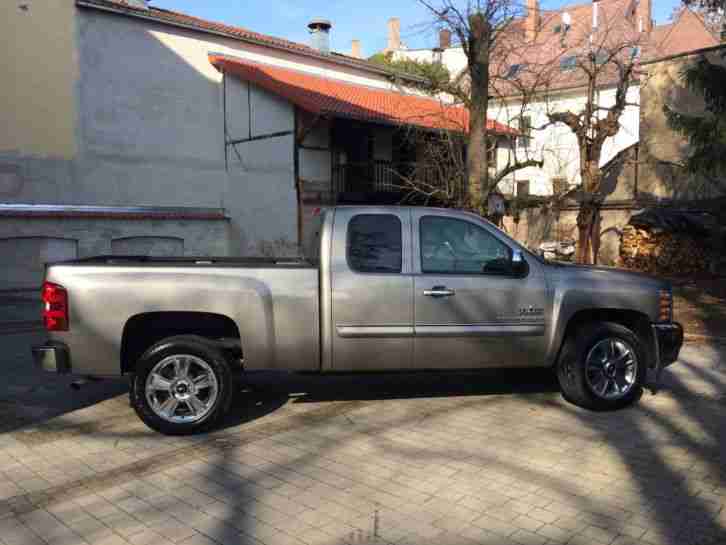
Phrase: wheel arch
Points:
(143, 330)
(638, 322)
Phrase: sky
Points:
(364, 20)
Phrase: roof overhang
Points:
(341, 99)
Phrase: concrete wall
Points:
(26, 245)
(261, 197)
(537, 225)
(39, 72)
(662, 149)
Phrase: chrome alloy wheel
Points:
(611, 369)
(181, 389)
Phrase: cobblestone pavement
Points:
(491, 458)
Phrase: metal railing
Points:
(367, 177)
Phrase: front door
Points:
(372, 290)
(471, 310)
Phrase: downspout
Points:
(224, 113)
(298, 184)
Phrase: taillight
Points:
(55, 307)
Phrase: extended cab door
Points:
(471, 308)
(371, 290)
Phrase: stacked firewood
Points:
(660, 252)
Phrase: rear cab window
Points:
(374, 244)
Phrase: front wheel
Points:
(602, 367)
(182, 385)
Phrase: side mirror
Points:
(515, 266)
(519, 264)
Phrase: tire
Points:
(593, 369)
(182, 385)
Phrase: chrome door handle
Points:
(439, 291)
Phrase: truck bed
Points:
(273, 303)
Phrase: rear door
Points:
(372, 289)
(469, 312)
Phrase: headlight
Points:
(665, 313)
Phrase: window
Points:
(451, 246)
(514, 71)
(601, 57)
(568, 63)
(523, 188)
(492, 155)
(559, 186)
(525, 126)
(374, 243)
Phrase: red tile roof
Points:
(618, 31)
(323, 96)
(180, 19)
(688, 32)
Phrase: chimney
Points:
(355, 49)
(531, 23)
(138, 4)
(320, 35)
(437, 55)
(394, 34)
(595, 14)
(644, 15)
(444, 38)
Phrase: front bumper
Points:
(53, 357)
(668, 342)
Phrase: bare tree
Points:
(486, 32)
(604, 61)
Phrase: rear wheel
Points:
(182, 385)
(602, 366)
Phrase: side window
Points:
(451, 246)
(374, 243)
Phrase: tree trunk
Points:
(585, 219)
(476, 160)
(588, 218)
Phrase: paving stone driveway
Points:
(494, 458)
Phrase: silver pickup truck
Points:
(389, 288)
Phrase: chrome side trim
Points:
(478, 330)
(368, 331)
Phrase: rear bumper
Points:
(53, 357)
(668, 341)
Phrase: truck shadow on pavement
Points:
(264, 392)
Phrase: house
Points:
(129, 129)
(556, 38)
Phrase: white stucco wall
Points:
(453, 58)
(556, 144)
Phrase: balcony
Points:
(368, 177)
